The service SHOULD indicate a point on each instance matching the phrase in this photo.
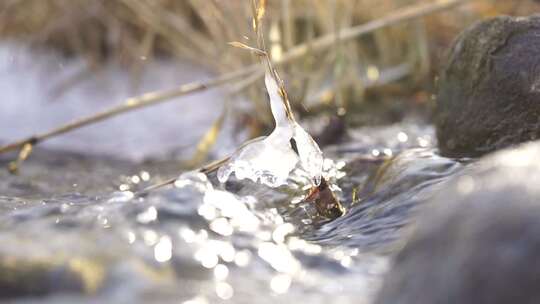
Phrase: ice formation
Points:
(271, 160)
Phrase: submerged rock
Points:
(489, 92)
(479, 240)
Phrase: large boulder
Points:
(479, 239)
(489, 91)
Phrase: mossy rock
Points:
(489, 91)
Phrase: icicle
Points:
(271, 160)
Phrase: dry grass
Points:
(134, 31)
(327, 75)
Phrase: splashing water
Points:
(288, 148)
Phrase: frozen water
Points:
(311, 158)
(271, 160)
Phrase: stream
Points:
(73, 230)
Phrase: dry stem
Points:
(318, 44)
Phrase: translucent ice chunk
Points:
(271, 160)
(277, 104)
(268, 161)
(311, 157)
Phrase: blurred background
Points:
(63, 59)
(368, 101)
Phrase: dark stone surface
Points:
(489, 91)
(479, 240)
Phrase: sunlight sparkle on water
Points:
(191, 237)
(207, 211)
(121, 197)
(297, 244)
(346, 261)
(221, 272)
(149, 215)
(279, 257)
(423, 142)
(207, 257)
(242, 258)
(196, 300)
(281, 232)
(280, 283)
(145, 176)
(228, 205)
(135, 179)
(223, 249)
(163, 249)
(221, 226)
(187, 234)
(150, 237)
(224, 290)
(402, 137)
(131, 237)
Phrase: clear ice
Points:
(271, 160)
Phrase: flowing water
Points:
(73, 230)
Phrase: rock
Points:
(478, 242)
(489, 91)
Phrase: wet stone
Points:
(478, 240)
(489, 91)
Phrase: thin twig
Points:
(211, 167)
(318, 44)
(131, 104)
